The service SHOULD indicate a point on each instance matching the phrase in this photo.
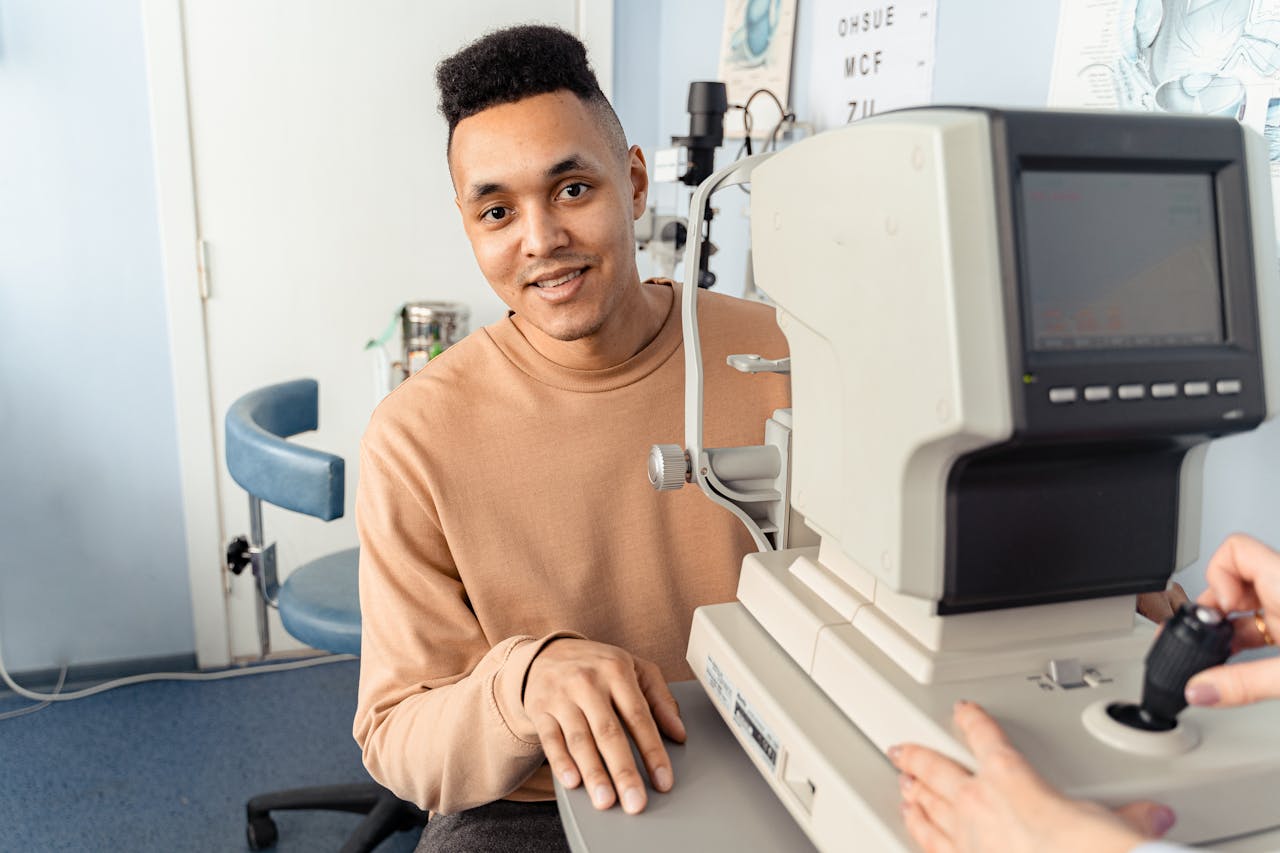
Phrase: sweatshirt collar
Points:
(516, 347)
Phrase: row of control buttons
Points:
(1159, 391)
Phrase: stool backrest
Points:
(277, 471)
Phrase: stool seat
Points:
(320, 603)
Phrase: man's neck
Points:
(630, 328)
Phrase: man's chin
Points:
(564, 323)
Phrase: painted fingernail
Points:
(600, 795)
(1202, 694)
(632, 801)
(1163, 820)
(662, 779)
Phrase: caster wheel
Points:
(261, 833)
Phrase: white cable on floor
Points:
(31, 709)
(260, 669)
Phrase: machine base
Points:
(841, 790)
(848, 698)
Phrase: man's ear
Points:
(639, 174)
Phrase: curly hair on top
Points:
(511, 64)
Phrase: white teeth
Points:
(556, 282)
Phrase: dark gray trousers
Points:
(501, 827)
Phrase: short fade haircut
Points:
(516, 63)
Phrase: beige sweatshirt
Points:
(502, 502)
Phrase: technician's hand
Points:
(1243, 574)
(1006, 806)
(588, 701)
(1159, 606)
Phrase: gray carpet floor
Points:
(167, 766)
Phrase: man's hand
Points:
(1006, 805)
(587, 702)
(1159, 606)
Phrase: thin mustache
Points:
(542, 268)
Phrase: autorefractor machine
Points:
(1012, 335)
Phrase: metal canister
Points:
(428, 329)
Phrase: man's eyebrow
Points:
(479, 191)
(572, 163)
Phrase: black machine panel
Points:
(1040, 525)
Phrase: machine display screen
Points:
(1120, 260)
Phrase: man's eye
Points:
(574, 190)
(496, 214)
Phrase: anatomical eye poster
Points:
(755, 54)
(1213, 57)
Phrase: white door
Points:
(322, 198)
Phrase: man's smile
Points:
(556, 279)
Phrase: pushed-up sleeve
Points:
(440, 717)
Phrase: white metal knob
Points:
(668, 467)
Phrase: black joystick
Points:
(1194, 639)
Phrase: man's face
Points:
(549, 205)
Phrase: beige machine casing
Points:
(878, 244)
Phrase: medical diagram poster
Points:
(1215, 57)
(755, 54)
(869, 58)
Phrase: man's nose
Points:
(544, 233)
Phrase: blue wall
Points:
(92, 548)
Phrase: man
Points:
(526, 594)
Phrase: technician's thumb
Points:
(1147, 818)
(1235, 684)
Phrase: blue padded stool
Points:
(319, 603)
(321, 606)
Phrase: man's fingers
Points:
(1236, 684)
(1159, 606)
(643, 728)
(634, 709)
(611, 736)
(1150, 819)
(666, 711)
(601, 700)
(557, 753)
(581, 743)
(1154, 606)
(931, 769)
